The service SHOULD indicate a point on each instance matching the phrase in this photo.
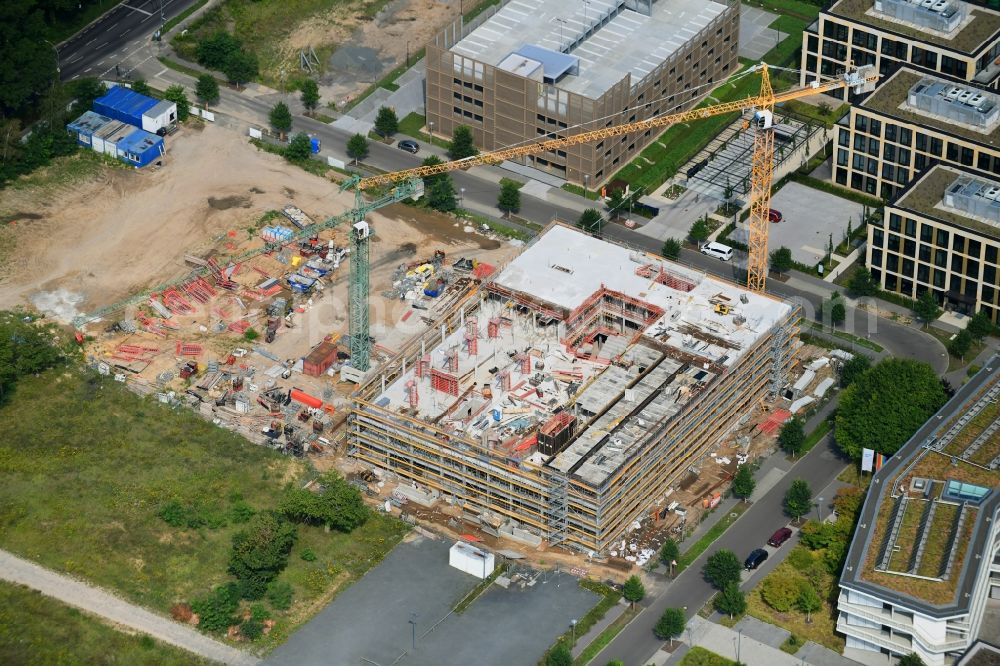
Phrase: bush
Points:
(559, 655)
(181, 613)
(308, 555)
(216, 611)
(781, 591)
(279, 595)
(252, 629)
(671, 248)
(801, 559)
(259, 612)
(299, 148)
(260, 553)
(25, 347)
(240, 512)
(215, 50)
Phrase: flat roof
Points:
(980, 27)
(126, 100)
(890, 98)
(628, 43)
(139, 141)
(89, 122)
(914, 539)
(925, 196)
(615, 382)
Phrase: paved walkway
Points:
(120, 612)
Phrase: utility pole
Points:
(413, 627)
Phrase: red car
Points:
(774, 215)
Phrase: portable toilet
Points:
(314, 142)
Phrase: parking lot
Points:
(369, 623)
(809, 217)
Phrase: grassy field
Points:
(699, 656)
(35, 629)
(86, 465)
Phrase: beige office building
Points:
(911, 122)
(957, 40)
(942, 233)
(532, 69)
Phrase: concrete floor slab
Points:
(756, 38)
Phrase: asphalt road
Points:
(636, 644)
(95, 50)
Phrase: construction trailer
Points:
(320, 358)
(140, 148)
(84, 127)
(571, 391)
(106, 139)
(128, 106)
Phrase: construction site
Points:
(567, 395)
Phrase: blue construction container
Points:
(140, 148)
(314, 142)
(84, 127)
(125, 105)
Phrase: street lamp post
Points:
(413, 627)
(461, 196)
(739, 644)
(819, 508)
(430, 132)
(586, 186)
(572, 624)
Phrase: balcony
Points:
(898, 622)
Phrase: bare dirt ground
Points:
(124, 231)
(367, 49)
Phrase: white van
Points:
(718, 250)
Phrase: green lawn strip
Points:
(176, 66)
(954, 362)
(813, 438)
(937, 547)
(844, 335)
(36, 629)
(799, 9)
(699, 656)
(605, 637)
(412, 124)
(666, 154)
(589, 193)
(80, 489)
(702, 544)
(906, 537)
(169, 25)
(813, 112)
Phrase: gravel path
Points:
(101, 603)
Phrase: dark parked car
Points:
(409, 146)
(774, 215)
(780, 537)
(755, 559)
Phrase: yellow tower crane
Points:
(861, 79)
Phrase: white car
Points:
(717, 250)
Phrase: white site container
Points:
(471, 560)
(161, 116)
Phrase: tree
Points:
(615, 201)
(722, 568)
(86, 91)
(26, 348)
(743, 482)
(670, 625)
(310, 95)
(808, 601)
(441, 195)
(216, 611)
(700, 231)
(781, 260)
(591, 221)
(792, 437)
(862, 283)
(853, 368)
(780, 590)
(337, 505)
(299, 148)
(980, 326)
(633, 590)
(798, 499)
(357, 147)
(731, 600)
(960, 344)
(559, 655)
(140, 86)
(240, 67)
(462, 144)
(669, 552)
(671, 248)
(177, 95)
(910, 660)
(27, 61)
(838, 313)
(281, 121)
(509, 200)
(207, 90)
(886, 405)
(926, 307)
(216, 49)
(260, 552)
(386, 122)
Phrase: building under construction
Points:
(569, 393)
